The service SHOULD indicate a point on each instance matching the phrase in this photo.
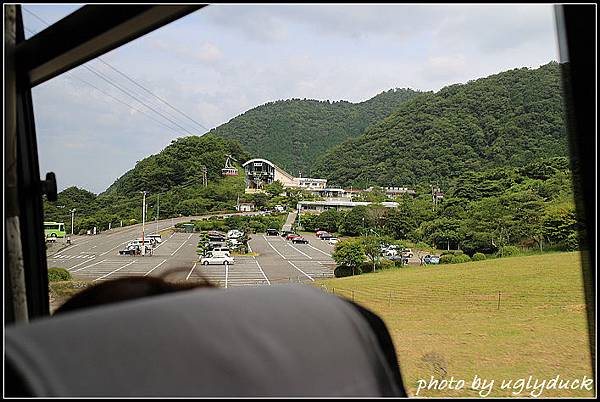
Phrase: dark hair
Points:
(128, 288)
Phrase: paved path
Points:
(291, 218)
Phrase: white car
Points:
(157, 238)
(218, 259)
(234, 234)
(332, 240)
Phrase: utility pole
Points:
(143, 251)
(157, 211)
(72, 219)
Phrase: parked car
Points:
(397, 257)
(431, 259)
(234, 234)
(211, 259)
(284, 233)
(220, 251)
(156, 237)
(279, 208)
(332, 240)
(272, 232)
(407, 252)
(290, 236)
(320, 232)
(389, 252)
(326, 236)
(299, 239)
(133, 249)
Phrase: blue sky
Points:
(225, 59)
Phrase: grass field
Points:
(502, 319)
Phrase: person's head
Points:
(127, 288)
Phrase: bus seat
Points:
(285, 340)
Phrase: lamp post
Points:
(72, 219)
(143, 251)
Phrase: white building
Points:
(338, 205)
(261, 172)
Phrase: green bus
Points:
(54, 229)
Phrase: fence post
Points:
(498, 300)
(333, 290)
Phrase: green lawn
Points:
(446, 320)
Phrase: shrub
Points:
(58, 274)
(508, 251)
(458, 259)
(386, 264)
(446, 259)
(343, 271)
(478, 257)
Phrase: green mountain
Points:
(294, 133)
(508, 119)
(173, 180)
(179, 164)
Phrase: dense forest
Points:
(487, 212)
(507, 119)
(294, 133)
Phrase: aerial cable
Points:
(136, 83)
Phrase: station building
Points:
(261, 172)
(320, 206)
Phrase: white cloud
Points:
(225, 59)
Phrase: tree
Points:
(349, 253)
(274, 189)
(372, 249)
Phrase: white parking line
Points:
(173, 253)
(262, 272)
(191, 270)
(96, 263)
(113, 248)
(110, 273)
(81, 263)
(320, 251)
(282, 256)
(155, 267)
(308, 276)
(309, 257)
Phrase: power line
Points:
(151, 93)
(123, 102)
(136, 98)
(136, 83)
(111, 96)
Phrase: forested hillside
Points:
(294, 133)
(507, 119)
(173, 180)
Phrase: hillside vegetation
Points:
(173, 179)
(294, 133)
(505, 318)
(507, 119)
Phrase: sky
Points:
(223, 60)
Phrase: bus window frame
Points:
(97, 27)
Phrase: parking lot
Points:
(273, 261)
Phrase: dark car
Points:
(272, 232)
(299, 239)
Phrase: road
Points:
(96, 258)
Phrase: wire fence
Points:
(497, 300)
